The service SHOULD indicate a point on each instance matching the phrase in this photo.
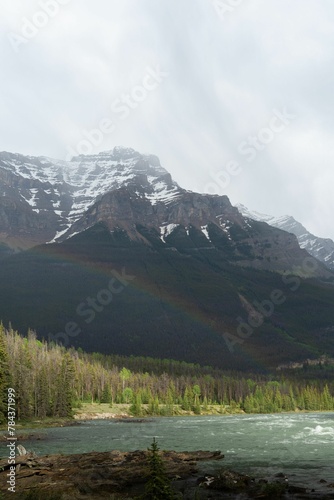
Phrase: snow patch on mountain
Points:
(167, 230)
(320, 248)
(68, 189)
(206, 232)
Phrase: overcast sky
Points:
(234, 96)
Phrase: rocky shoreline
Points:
(99, 475)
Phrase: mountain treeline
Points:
(49, 381)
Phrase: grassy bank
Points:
(90, 411)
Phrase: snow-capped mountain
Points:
(54, 194)
(47, 201)
(320, 248)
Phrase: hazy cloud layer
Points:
(68, 65)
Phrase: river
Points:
(299, 445)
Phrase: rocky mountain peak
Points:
(320, 248)
(57, 193)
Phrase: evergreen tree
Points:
(106, 394)
(153, 406)
(158, 486)
(42, 400)
(127, 395)
(308, 401)
(288, 403)
(21, 380)
(326, 399)
(278, 401)
(63, 406)
(157, 405)
(197, 393)
(186, 405)
(169, 408)
(5, 379)
(136, 408)
(249, 404)
(292, 400)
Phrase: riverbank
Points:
(122, 475)
(96, 475)
(91, 411)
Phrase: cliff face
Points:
(20, 225)
(193, 221)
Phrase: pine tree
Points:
(64, 398)
(307, 399)
(106, 394)
(169, 408)
(326, 399)
(249, 404)
(278, 401)
(158, 486)
(153, 406)
(42, 400)
(21, 380)
(69, 382)
(292, 400)
(136, 408)
(5, 379)
(127, 395)
(186, 400)
(197, 393)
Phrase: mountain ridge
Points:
(320, 248)
(45, 201)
